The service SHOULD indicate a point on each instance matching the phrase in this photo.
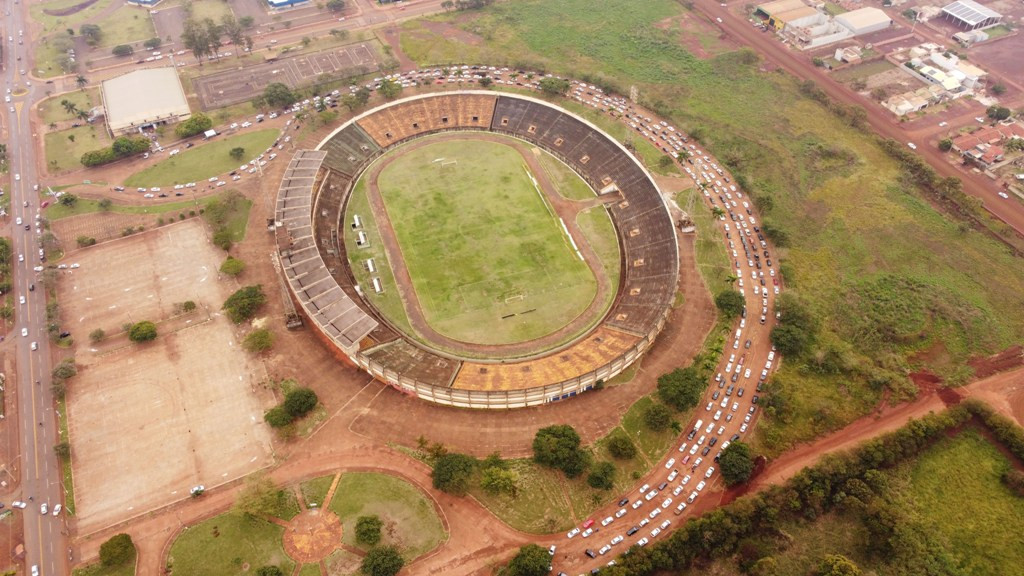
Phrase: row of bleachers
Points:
(414, 362)
(429, 114)
(349, 149)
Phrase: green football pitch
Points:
(488, 259)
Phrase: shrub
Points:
(268, 571)
(117, 550)
(299, 402)
(259, 340)
(277, 417)
(142, 331)
(368, 529)
(602, 476)
(123, 50)
(62, 450)
(736, 463)
(222, 239)
(558, 446)
(244, 303)
(730, 302)
(197, 124)
(97, 335)
(620, 446)
(531, 560)
(657, 417)
(681, 388)
(382, 561)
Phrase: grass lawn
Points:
(568, 183)
(66, 474)
(310, 570)
(63, 155)
(235, 219)
(481, 244)
(834, 9)
(997, 31)
(222, 545)
(652, 445)
(315, 491)
(204, 161)
(600, 232)
(956, 490)
(342, 563)
(51, 109)
(57, 210)
(47, 52)
(127, 25)
(127, 568)
(541, 505)
(61, 23)
(712, 258)
(214, 10)
(410, 521)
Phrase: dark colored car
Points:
(632, 530)
(624, 501)
(590, 553)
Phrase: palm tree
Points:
(81, 81)
(83, 114)
(717, 212)
(69, 106)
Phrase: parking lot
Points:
(234, 86)
(150, 421)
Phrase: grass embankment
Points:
(237, 220)
(211, 158)
(52, 110)
(127, 25)
(38, 11)
(126, 568)
(64, 149)
(224, 544)
(895, 285)
(410, 522)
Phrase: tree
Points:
(736, 463)
(382, 561)
(554, 86)
(389, 88)
(277, 417)
(246, 22)
(497, 480)
(452, 472)
(558, 446)
(790, 340)
(602, 476)
(222, 239)
(448, 5)
(258, 341)
(998, 112)
(486, 82)
(117, 550)
(657, 417)
(945, 144)
(237, 152)
(80, 81)
(197, 124)
(998, 89)
(531, 560)
(142, 331)
(837, 565)
(681, 388)
(336, 5)
(97, 335)
(259, 497)
(194, 37)
(278, 95)
(234, 31)
(93, 34)
(122, 50)
(244, 303)
(620, 446)
(153, 43)
(68, 200)
(300, 401)
(730, 302)
(664, 161)
(232, 266)
(85, 241)
(368, 530)
(270, 570)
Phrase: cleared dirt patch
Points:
(168, 415)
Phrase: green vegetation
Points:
(262, 498)
(682, 388)
(297, 403)
(143, 331)
(196, 124)
(56, 211)
(736, 464)
(53, 110)
(445, 220)
(258, 341)
(597, 226)
(65, 148)
(382, 561)
(730, 302)
(202, 161)
(232, 266)
(58, 15)
(117, 558)
(121, 147)
(531, 560)
(126, 25)
(368, 530)
(222, 545)
(228, 215)
(413, 526)
(452, 471)
(558, 446)
(244, 303)
(567, 182)
(315, 491)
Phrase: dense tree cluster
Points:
(122, 147)
(117, 550)
(531, 560)
(452, 472)
(558, 447)
(368, 529)
(197, 124)
(736, 463)
(382, 561)
(244, 303)
(729, 302)
(681, 388)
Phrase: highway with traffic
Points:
(39, 472)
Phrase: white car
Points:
(694, 449)
(711, 470)
(638, 504)
(701, 485)
(43, 508)
(620, 513)
(743, 427)
(666, 503)
(17, 221)
(685, 480)
(709, 406)
(21, 257)
(671, 462)
(735, 406)
(21, 299)
(650, 495)
(717, 416)
(665, 524)
(586, 533)
(677, 490)
(57, 509)
(233, 125)
(35, 346)
(642, 542)
(912, 145)
(654, 514)
(16, 176)
(211, 179)
(682, 447)
(672, 475)
(19, 504)
(604, 549)
(655, 532)
(572, 532)
(617, 539)
(607, 521)
(246, 124)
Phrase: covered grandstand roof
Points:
(143, 96)
(970, 12)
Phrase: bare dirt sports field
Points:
(150, 421)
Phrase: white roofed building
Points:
(143, 98)
(970, 15)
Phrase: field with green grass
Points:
(957, 519)
(127, 568)
(51, 110)
(568, 183)
(50, 23)
(852, 257)
(212, 158)
(64, 149)
(226, 545)
(56, 211)
(126, 25)
(315, 491)
(410, 521)
(600, 232)
(482, 244)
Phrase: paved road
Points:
(40, 477)
(881, 121)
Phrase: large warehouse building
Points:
(143, 99)
(970, 15)
(864, 20)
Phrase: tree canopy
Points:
(259, 497)
(620, 446)
(657, 417)
(730, 302)
(278, 95)
(143, 331)
(259, 340)
(368, 529)
(197, 124)
(117, 550)
(123, 50)
(558, 446)
(299, 402)
(531, 560)
(382, 561)
(736, 463)
(681, 388)
(554, 86)
(602, 476)
(244, 303)
(452, 472)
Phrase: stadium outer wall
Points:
(485, 399)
